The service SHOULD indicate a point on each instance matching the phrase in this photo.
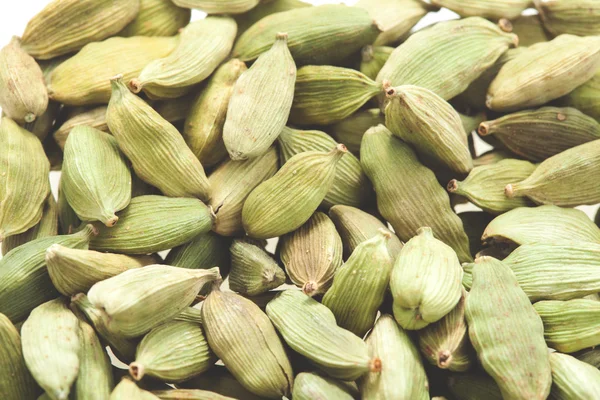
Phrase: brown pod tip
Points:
(388, 89)
(136, 371)
(112, 221)
(484, 129)
(444, 359)
(375, 365)
(505, 25)
(340, 148)
(310, 288)
(452, 186)
(135, 85)
(509, 191)
(387, 235)
(117, 78)
(281, 36)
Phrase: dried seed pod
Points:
(544, 72)
(127, 390)
(402, 375)
(373, 59)
(51, 345)
(203, 130)
(219, 7)
(189, 394)
(156, 149)
(311, 254)
(504, 327)
(590, 356)
(491, 9)
(253, 270)
(573, 379)
(309, 386)
(473, 386)
(84, 79)
(579, 17)
(244, 338)
(206, 250)
(586, 98)
(566, 179)
(327, 34)
(65, 26)
(529, 29)
(175, 74)
(157, 18)
(408, 194)
(394, 18)
(351, 130)
(570, 325)
(260, 104)
(93, 118)
(124, 298)
(95, 377)
(218, 379)
(465, 49)
(284, 202)
(360, 284)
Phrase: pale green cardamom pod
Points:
(351, 130)
(577, 17)
(253, 270)
(157, 18)
(543, 133)
(95, 177)
(284, 202)
(24, 184)
(473, 386)
(202, 46)
(474, 223)
(189, 394)
(23, 94)
(571, 325)
(491, 9)
(75, 271)
(573, 379)
(529, 29)
(51, 346)
(360, 284)
(350, 186)
(67, 218)
(546, 71)
(420, 117)
(263, 9)
(242, 336)
(172, 352)
(408, 194)
(325, 94)
(261, 101)
(92, 117)
(203, 130)
(394, 18)
(205, 251)
(155, 148)
(24, 280)
(310, 386)
(504, 328)
(402, 375)
(590, 356)
(586, 98)
(175, 110)
(566, 179)
(127, 390)
(218, 379)
(84, 79)
(311, 254)
(464, 49)
(190, 314)
(232, 182)
(373, 59)
(65, 26)
(491, 157)
(125, 298)
(310, 329)
(219, 6)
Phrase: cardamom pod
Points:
(590, 356)
(93, 118)
(394, 18)
(491, 157)
(491, 9)
(373, 59)
(127, 390)
(218, 6)
(529, 29)
(473, 386)
(579, 17)
(310, 386)
(67, 218)
(189, 394)
(95, 377)
(351, 130)
(474, 223)
(253, 270)
(157, 18)
(573, 379)
(260, 104)
(206, 250)
(242, 336)
(586, 98)
(218, 379)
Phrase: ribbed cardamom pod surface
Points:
(95, 177)
(530, 30)
(577, 17)
(394, 18)
(585, 98)
(253, 270)
(94, 117)
(573, 379)
(205, 251)
(261, 101)
(402, 375)
(408, 194)
(507, 333)
(309, 385)
(351, 129)
(175, 74)
(125, 298)
(492, 9)
(249, 18)
(128, 390)
(189, 394)
(473, 386)
(157, 18)
(590, 356)
(218, 379)
(284, 202)
(218, 6)
(373, 58)
(242, 336)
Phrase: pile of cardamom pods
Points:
(344, 133)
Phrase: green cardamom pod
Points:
(219, 6)
(155, 148)
(127, 390)
(189, 394)
(577, 17)
(586, 98)
(190, 314)
(67, 218)
(95, 377)
(492, 9)
(590, 356)
(242, 336)
(351, 130)
(470, 123)
(491, 157)
(206, 250)
(157, 18)
(218, 379)
(310, 386)
(394, 18)
(263, 9)
(504, 327)
(175, 74)
(529, 29)
(253, 270)
(261, 101)
(473, 386)
(573, 379)
(93, 118)
(373, 59)
(474, 223)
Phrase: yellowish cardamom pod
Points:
(577, 17)
(309, 385)
(395, 18)
(253, 270)
(157, 18)
(219, 6)
(573, 379)
(491, 9)
(351, 130)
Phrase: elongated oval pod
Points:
(253, 270)
(504, 327)
(95, 377)
(95, 176)
(394, 18)
(325, 94)
(571, 325)
(24, 184)
(218, 379)
(565, 179)
(94, 118)
(125, 297)
(244, 338)
(473, 386)
(492, 9)
(143, 231)
(351, 130)
(203, 129)
(360, 284)
(485, 185)
(467, 48)
(309, 386)
(189, 394)
(402, 375)
(174, 75)
(544, 72)
(581, 17)
(206, 250)
(218, 6)
(156, 149)
(261, 101)
(373, 59)
(585, 98)
(543, 133)
(157, 18)
(327, 34)
(420, 117)
(350, 185)
(128, 390)
(232, 182)
(573, 379)
(249, 18)
(284, 202)
(51, 345)
(173, 352)
(403, 186)
(309, 328)
(84, 79)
